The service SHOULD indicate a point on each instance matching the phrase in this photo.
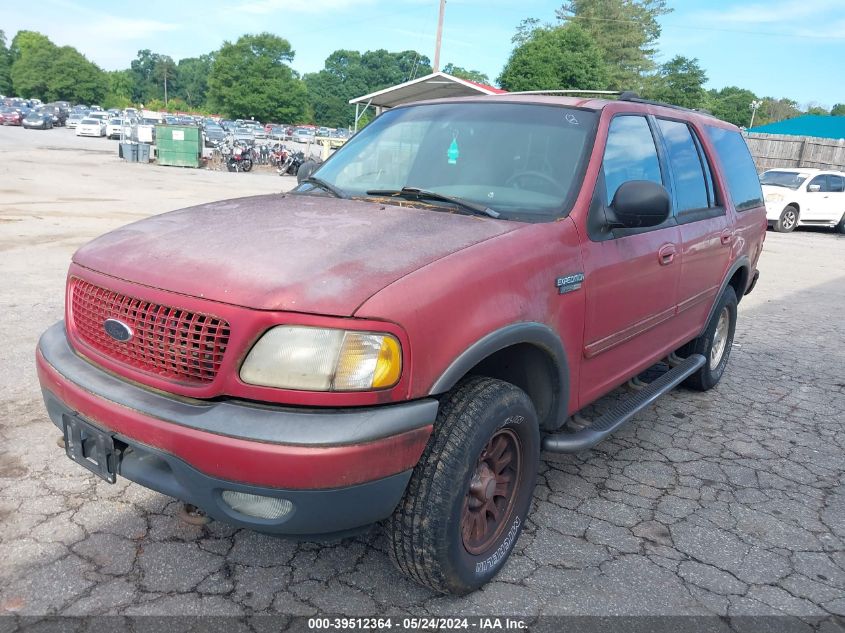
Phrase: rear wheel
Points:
(466, 502)
(715, 344)
(787, 221)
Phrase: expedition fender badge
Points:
(569, 283)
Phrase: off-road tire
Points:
(708, 376)
(424, 534)
(787, 221)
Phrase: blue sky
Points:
(792, 48)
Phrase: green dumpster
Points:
(178, 145)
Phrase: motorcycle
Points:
(291, 164)
(240, 159)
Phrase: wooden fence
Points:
(779, 150)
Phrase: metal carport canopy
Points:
(434, 86)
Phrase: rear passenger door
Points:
(706, 237)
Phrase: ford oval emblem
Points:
(118, 330)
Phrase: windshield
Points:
(521, 160)
(90, 121)
(789, 179)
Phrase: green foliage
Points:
(813, 108)
(74, 78)
(192, 74)
(680, 81)
(42, 70)
(462, 73)
(525, 31)
(731, 104)
(251, 78)
(32, 58)
(626, 31)
(5, 66)
(838, 109)
(349, 74)
(556, 59)
(121, 85)
(773, 110)
(150, 70)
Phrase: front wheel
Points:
(247, 165)
(840, 228)
(469, 495)
(787, 221)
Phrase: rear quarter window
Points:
(737, 167)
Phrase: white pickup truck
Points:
(804, 197)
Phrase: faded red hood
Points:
(299, 253)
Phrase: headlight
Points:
(774, 197)
(318, 359)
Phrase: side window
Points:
(737, 167)
(836, 183)
(821, 182)
(630, 154)
(687, 166)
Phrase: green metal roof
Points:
(808, 125)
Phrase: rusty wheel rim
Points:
(492, 492)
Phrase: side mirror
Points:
(307, 168)
(814, 187)
(639, 204)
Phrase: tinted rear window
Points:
(737, 167)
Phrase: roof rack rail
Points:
(565, 92)
(633, 97)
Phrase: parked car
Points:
(115, 126)
(101, 115)
(75, 117)
(278, 133)
(398, 338)
(38, 120)
(303, 135)
(58, 113)
(13, 115)
(804, 197)
(91, 126)
(243, 134)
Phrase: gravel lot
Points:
(729, 503)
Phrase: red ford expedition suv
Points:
(398, 338)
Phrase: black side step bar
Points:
(623, 411)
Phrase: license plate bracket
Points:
(91, 447)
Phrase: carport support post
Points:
(358, 114)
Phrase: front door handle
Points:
(726, 236)
(666, 254)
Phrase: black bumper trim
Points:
(264, 423)
(317, 514)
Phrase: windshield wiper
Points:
(322, 184)
(415, 193)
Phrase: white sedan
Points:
(91, 127)
(804, 197)
(113, 128)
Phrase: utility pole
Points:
(754, 105)
(439, 36)
(165, 86)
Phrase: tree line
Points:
(589, 45)
(611, 45)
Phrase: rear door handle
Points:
(666, 254)
(726, 236)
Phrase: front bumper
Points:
(341, 468)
